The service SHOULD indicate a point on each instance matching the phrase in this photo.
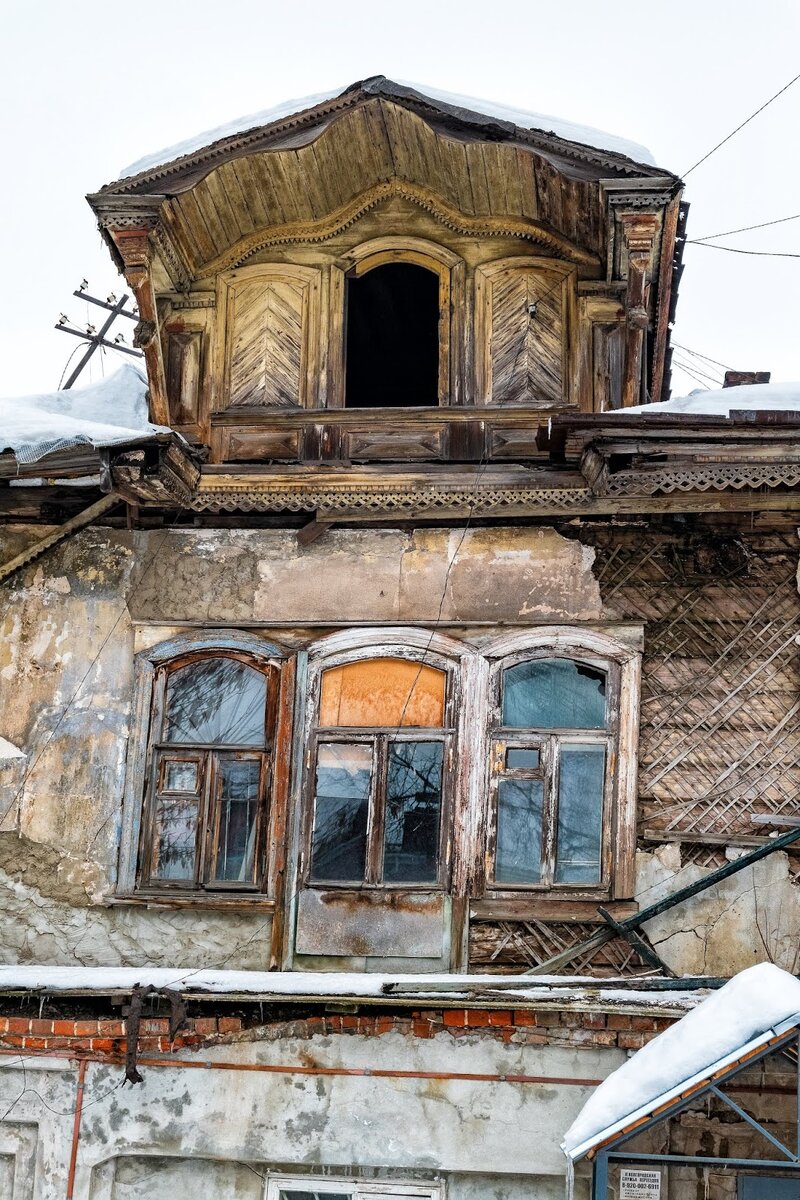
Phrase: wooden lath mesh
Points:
(720, 734)
(502, 945)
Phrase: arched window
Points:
(553, 749)
(378, 774)
(210, 752)
(392, 353)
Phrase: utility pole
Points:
(97, 337)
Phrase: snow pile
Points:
(718, 402)
(584, 134)
(109, 413)
(744, 1010)
(563, 990)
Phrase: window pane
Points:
(216, 700)
(521, 759)
(580, 813)
(380, 692)
(174, 839)
(554, 694)
(181, 775)
(238, 795)
(413, 803)
(306, 1195)
(519, 831)
(344, 776)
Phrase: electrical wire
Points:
(697, 354)
(733, 132)
(744, 229)
(693, 368)
(758, 253)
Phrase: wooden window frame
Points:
(355, 1189)
(621, 664)
(384, 646)
(449, 268)
(146, 754)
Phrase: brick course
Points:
(516, 1026)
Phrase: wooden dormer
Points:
(389, 277)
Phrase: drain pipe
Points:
(76, 1128)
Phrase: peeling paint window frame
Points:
(318, 735)
(276, 1187)
(150, 665)
(209, 758)
(622, 665)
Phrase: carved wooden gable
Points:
(269, 314)
(521, 333)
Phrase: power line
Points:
(744, 229)
(733, 132)
(697, 354)
(696, 372)
(759, 253)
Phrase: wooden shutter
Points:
(520, 357)
(269, 332)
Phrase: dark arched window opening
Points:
(393, 338)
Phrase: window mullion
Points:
(207, 822)
(377, 809)
(550, 812)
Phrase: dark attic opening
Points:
(393, 338)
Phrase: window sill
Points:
(549, 908)
(204, 901)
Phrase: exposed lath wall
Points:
(720, 736)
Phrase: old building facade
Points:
(398, 657)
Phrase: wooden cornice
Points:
(339, 220)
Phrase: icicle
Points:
(570, 1188)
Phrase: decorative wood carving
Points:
(271, 337)
(639, 231)
(329, 226)
(522, 319)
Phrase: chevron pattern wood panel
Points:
(267, 346)
(521, 359)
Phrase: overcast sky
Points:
(87, 88)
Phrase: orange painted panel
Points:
(382, 692)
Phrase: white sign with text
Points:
(639, 1185)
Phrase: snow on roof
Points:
(569, 990)
(740, 1015)
(583, 134)
(718, 402)
(109, 413)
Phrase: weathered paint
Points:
(475, 1135)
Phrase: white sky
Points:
(86, 88)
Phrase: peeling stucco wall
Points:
(183, 1131)
(70, 625)
(750, 917)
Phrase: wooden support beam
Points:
(553, 965)
(637, 943)
(69, 527)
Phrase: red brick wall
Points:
(514, 1026)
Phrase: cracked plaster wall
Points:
(70, 625)
(174, 1136)
(750, 917)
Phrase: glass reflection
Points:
(344, 777)
(238, 798)
(413, 803)
(580, 813)
(216, 701)
(519, 831)
(554, 694)
(174, 840)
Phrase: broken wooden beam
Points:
(554, 964)
(63, 531)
